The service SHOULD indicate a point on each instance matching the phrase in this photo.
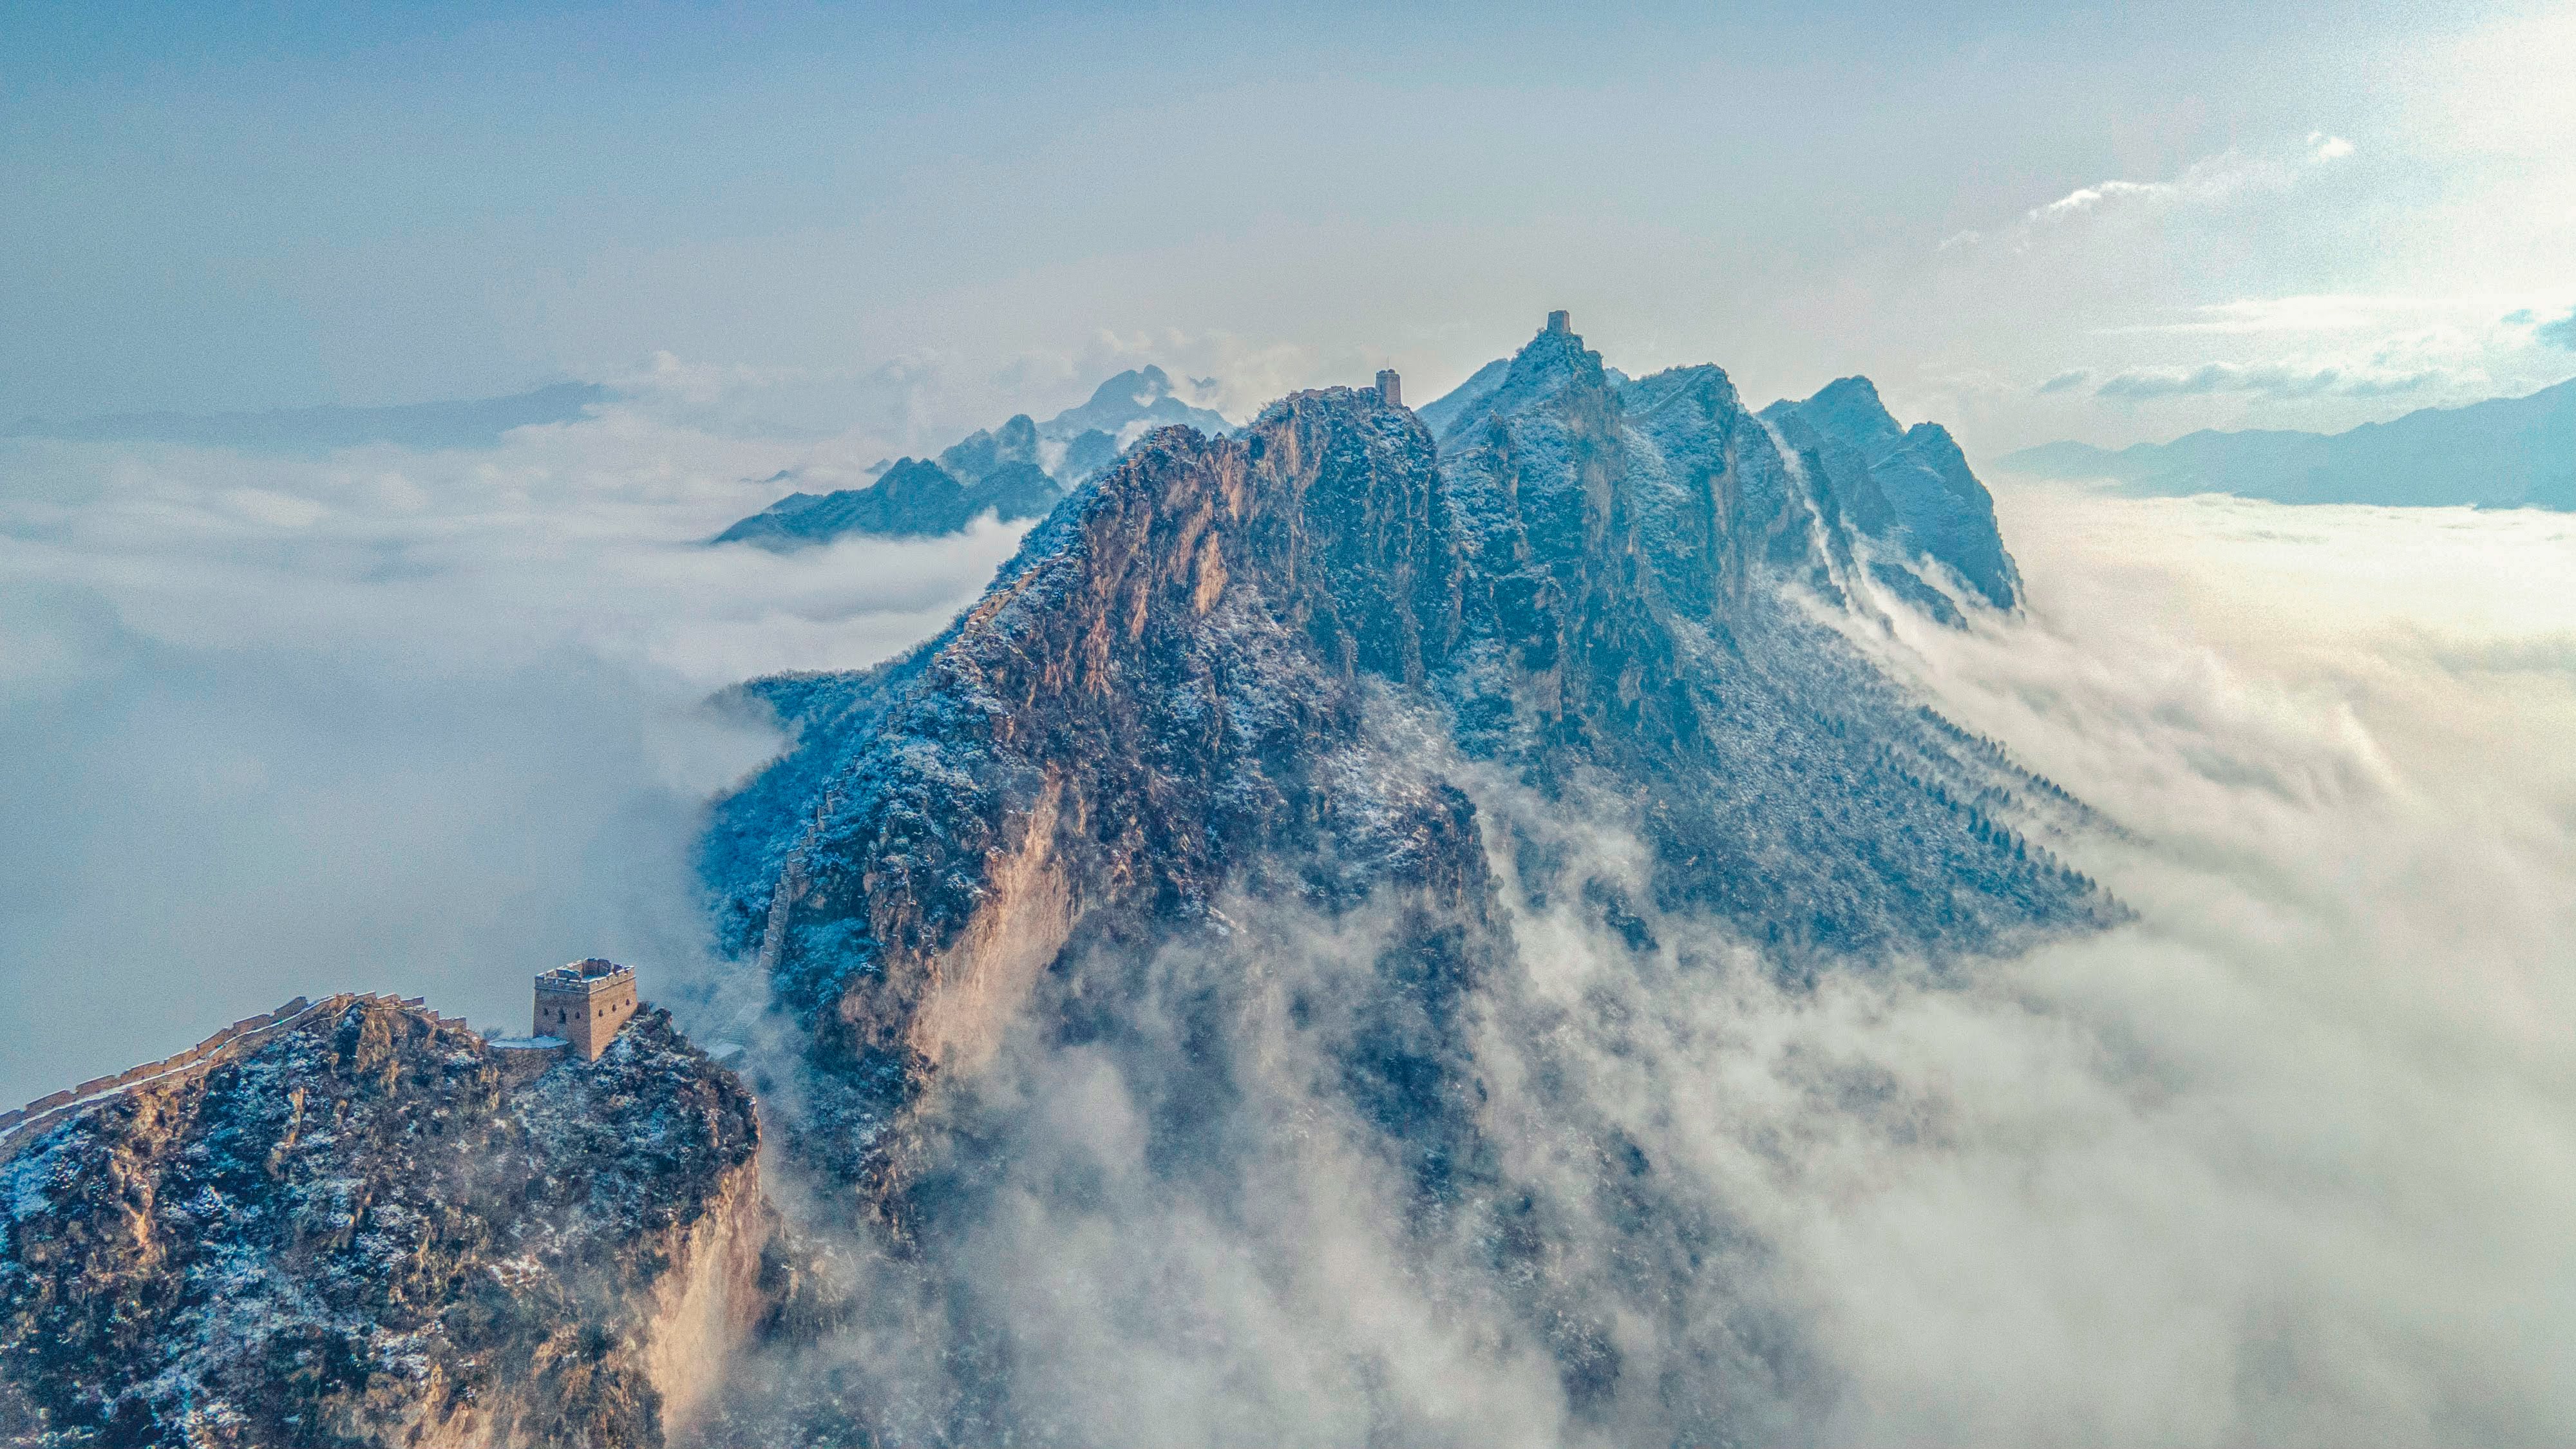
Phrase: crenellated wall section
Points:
(25, 1124)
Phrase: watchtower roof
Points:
(592, 974)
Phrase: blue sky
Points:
(2030, 221)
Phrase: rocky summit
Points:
(1265, 755)
(371, 1229)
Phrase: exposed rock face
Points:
(360, 1233)
(1161, 698)
(1018, 471)
(1167, 696)
(1909, 487)
(1327, 680)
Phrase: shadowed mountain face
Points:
(1239, 786)
(2503, 453)
(1017, 471)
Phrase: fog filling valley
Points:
(2287, 1158)
(411, 722)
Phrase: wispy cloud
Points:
(2310, 312)
(385, 719)
(2210, 181)
(2085, 198)
(2561, 333)
(2067, 381)
(2269, 380)
(2246, 1170)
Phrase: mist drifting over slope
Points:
(384, 719)
(2287, 1158)
(2276, 1161)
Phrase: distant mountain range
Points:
(1019, 470)
(2515, 452)
(463, 423)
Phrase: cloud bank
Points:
(419, 722)
(2285, 1160)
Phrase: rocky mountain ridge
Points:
(1015, 472)
(364, 1226)
(1327, 678)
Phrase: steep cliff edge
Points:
(1909, 487)
(1161, 699)
(362, 1232)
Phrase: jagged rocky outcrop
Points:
(369, 1230)
(913, 499)
(1018, 471)
(1329, 679)
(1908, 488)
(1585, 582)
(1161, 699)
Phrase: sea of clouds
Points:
(2283, 1161)
(413, 722)
(2289, 1158)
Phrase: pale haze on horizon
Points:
(2026, 222)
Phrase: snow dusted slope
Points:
(1910, 488)
(1168, 695)
(1233, 791)
(366, 1231)
(1629, 546)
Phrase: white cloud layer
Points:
(423, 723)
(2286, 1160)
(2272, 1165)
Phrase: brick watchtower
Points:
(1390, 388)
(585, 1003)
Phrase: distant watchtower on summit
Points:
(1560, 323)
(585, 1003)
(1390, 388)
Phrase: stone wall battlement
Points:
(22, 1125)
